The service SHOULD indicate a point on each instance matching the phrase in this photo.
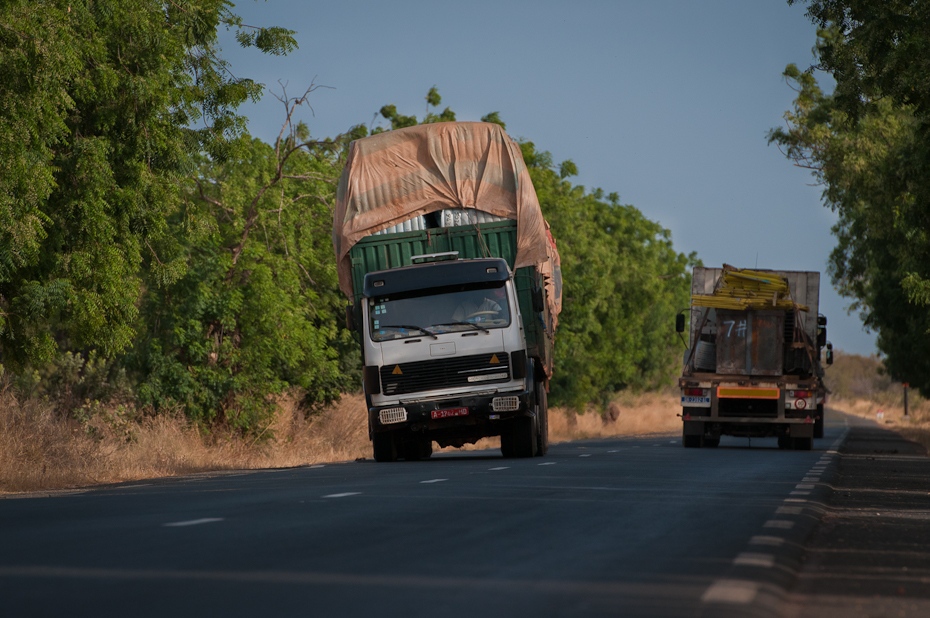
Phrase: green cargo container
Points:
(498, 239)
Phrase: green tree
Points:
(868, 145)
(103, 105)
(256, 311)
(623, 285)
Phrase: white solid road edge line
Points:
(192, 522)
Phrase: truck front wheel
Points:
(518, 438)
(384, 446)
(542, 419)
(417, 448)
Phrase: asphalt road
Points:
(623, 527)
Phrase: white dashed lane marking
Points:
(193, 522)
(771, 541)
(781, 524)
(499, 468)
(345, 494)
(548, 463)
(753, 559)
(433, 481)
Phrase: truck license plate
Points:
(448, 413)
(687, 400)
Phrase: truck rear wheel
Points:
(384, 446)
(818, 422)
(691, 440)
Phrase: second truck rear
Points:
(753, 365)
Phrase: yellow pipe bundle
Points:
(748, 289)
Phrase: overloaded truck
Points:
(455, 288)
(753, 364)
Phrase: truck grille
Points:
(445, 373)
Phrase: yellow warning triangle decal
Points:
(397, 371)
(495, 360)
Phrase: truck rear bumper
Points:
(748, 427)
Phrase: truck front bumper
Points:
(441, 415)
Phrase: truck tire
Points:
(691, 441)
(818, 422)
(384, 446)
(542, 419)
(417, 448)
(518, 437)
(507, 448)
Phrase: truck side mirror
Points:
(538, 304)
(821, 337)
(350, 317)
(680, 323)
(829, 353)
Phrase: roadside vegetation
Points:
(43, 448)
(157, 261)
(860, 385)
(168, 294)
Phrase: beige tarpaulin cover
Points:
(393, 176)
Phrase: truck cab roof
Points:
(435, 275)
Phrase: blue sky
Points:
(666, 102)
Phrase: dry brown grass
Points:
(40, 450)
(915, 426)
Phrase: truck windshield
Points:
(433, 312)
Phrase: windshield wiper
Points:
(478, 326)
(409, 327)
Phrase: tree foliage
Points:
(151, 250)
(103, 104)
(256, 310)
(623, 285)
(868, 145)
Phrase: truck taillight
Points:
(694, 392)
(800, 394)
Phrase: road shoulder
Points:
(870, 553)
